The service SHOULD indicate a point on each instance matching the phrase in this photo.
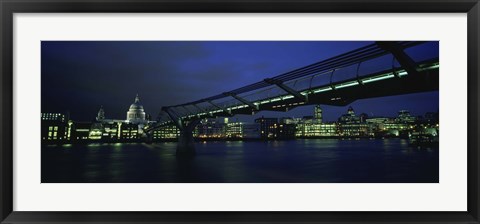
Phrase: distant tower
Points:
(101, 114)
(318, 113)
(136, 114)
(363, 117)
(350, 111)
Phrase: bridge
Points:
(380, 69)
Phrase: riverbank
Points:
(89, 141)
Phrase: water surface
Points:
(294, 161)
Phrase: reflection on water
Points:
(295, 161)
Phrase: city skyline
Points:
(59, 128)
(258, 115)
(102, 73)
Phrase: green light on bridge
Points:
(434, 66)
(354, 83)
(378, 78)
(276, 99)
(322, 89)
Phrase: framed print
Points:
(262, 112)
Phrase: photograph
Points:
(204, 111)
(240, 111)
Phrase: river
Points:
(289, 161)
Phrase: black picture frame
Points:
(9, 7)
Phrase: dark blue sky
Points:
(79, 76)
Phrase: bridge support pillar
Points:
(147, 138)
(186, 145)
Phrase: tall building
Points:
(136, 114)
(349, 117)
(234, 130)
(363, 117)
(318, 114)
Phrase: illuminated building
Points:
(129, 131)
(377, 120)
(351, 125)
(286, 131)
(318, 114)
(81, 131)
(405, 117)
(401, 126)
(268, 127)
(289, 120)
(242, 130)
(234, 130)
(136, 113)
(349, 117)
(111, 130)
(96, 131)
(316, 130)
(309, 127)
(58, 117)
(166, 132)
(354, 130)
(210, 128)
(69, 131)
(394, 126)
(54, 127)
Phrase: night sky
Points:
(80, 76)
